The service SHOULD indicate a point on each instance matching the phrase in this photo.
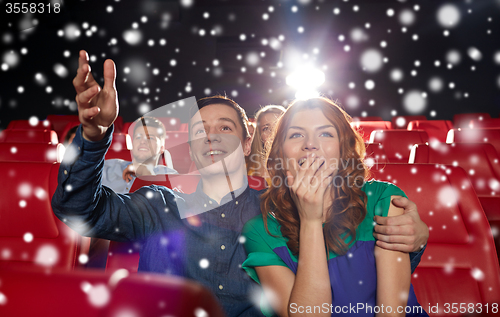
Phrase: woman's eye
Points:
(327, 134)
(199, 131)
(226, 128)
(265, 129)
(295, 135)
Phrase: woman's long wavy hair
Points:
(257, 155)
(348, 208)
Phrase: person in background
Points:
(70, 136)
(265, 119)
(148, 144)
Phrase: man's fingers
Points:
(394, 221)
(83, 58)
(395, 239)
(88, 114)
(395, 247)
(85, 97)
(394, 230)
(109, 74)
(403, 202)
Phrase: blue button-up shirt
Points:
(207, 247)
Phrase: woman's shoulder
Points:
(376, 190)
(256, 226)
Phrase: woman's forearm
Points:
(312, 283)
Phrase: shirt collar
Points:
(239, 193)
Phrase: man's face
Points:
(216, 134)
(148, 145)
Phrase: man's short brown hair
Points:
(219, 99)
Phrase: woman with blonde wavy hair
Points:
(313, 248)
(265, 118)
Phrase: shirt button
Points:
(236, 202)
(205, 205)
(79, 149)
(65, 172)
(223, 215)
(210, 202)
(222, 247)
(221, 287)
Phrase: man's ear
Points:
(247, 146)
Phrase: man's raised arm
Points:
(80, 200)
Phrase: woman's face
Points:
(266, 123)
(310, 132)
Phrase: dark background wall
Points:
(39, 53)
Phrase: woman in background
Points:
(265, 119)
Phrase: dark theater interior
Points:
(420, 79)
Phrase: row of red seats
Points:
(61, 124)
(462, 120)
(459, 264)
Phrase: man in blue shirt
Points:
(196, 236)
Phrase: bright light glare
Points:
(305, 77)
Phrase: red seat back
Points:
(365, 128)
(398, 143)
(436, 129)
(26, 212)
(257, 182)
(480, 161)
(120, 147)
(31, 152)
(59, 293)
(462, 120)
(485, 123)
(177, 144)
(401, 122)
(25, 124)
(29, 136)
(375, 154)
(59, 122)
(486, 135)
(459, 264)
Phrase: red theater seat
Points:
(365, 128)
(462, 120)
(480, 161)
(398, 143)
(459, 264)
(25, 124)
(401, 122)
(375, 154)
(29, 136)
(59, 122)
(177, 144)
(31, 152)
(485, 123)
(58, 293)
(30, 233)
(487, 135)
(436, 129)
(120, 147)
